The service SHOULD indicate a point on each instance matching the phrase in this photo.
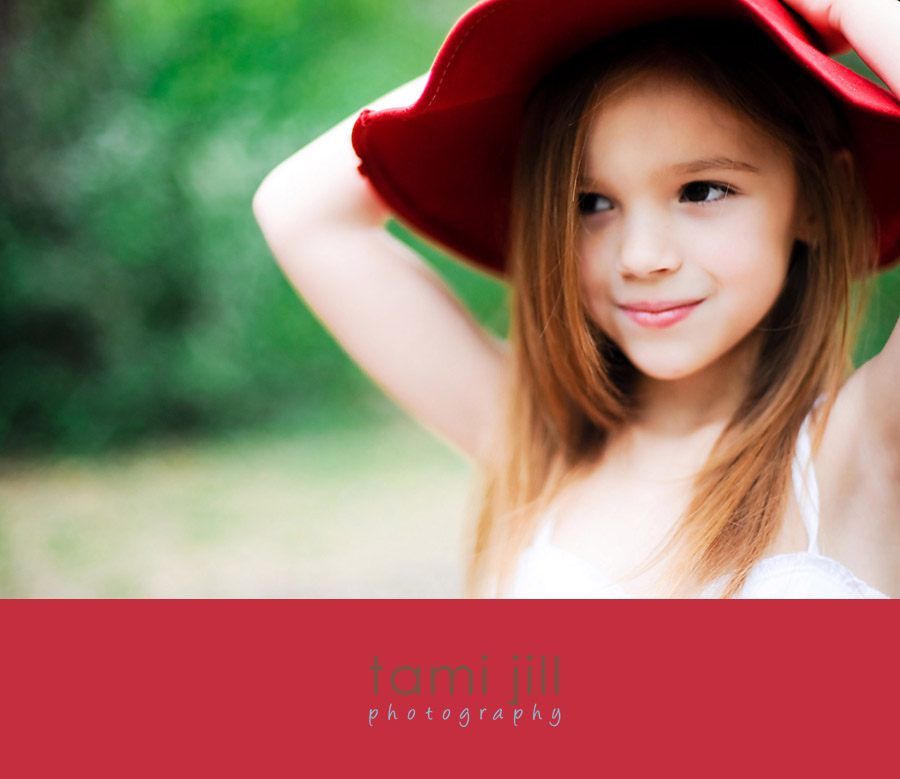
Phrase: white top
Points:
(547, 571)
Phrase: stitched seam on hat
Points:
(456, 51)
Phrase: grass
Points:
(374, 511)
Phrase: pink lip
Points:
(659, 314)
(659, 305)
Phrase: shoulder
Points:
(859, 489)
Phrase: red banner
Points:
(449, 688)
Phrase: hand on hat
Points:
(824, 16)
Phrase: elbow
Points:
(266, 213)
(269, 212)
(260, 204)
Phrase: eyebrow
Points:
(696, 166)
(707, 163)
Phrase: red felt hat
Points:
(445, 164)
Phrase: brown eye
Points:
(590, 203)
(706, 192)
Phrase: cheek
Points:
(749, 259)
(593, 267)
(595, 287)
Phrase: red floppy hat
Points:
(445, 164)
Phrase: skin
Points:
(404, 327)
(722, 235)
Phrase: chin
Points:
(669, 366)
(667, 373)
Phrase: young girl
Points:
(685, 197)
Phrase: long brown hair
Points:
(569, 386)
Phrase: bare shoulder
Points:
(859, 489)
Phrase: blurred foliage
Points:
(138, 298)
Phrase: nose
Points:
(647, 248)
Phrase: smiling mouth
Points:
(659, 315)
(655, 306)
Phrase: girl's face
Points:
(688, 214)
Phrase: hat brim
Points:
(444, 164)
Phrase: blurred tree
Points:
(138, 297)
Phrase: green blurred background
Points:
(173, 421)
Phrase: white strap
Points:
(806, 487)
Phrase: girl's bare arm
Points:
(873, 29)
(385, 306)
(865, 425)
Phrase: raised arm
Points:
(872, 28)
(391, 313)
